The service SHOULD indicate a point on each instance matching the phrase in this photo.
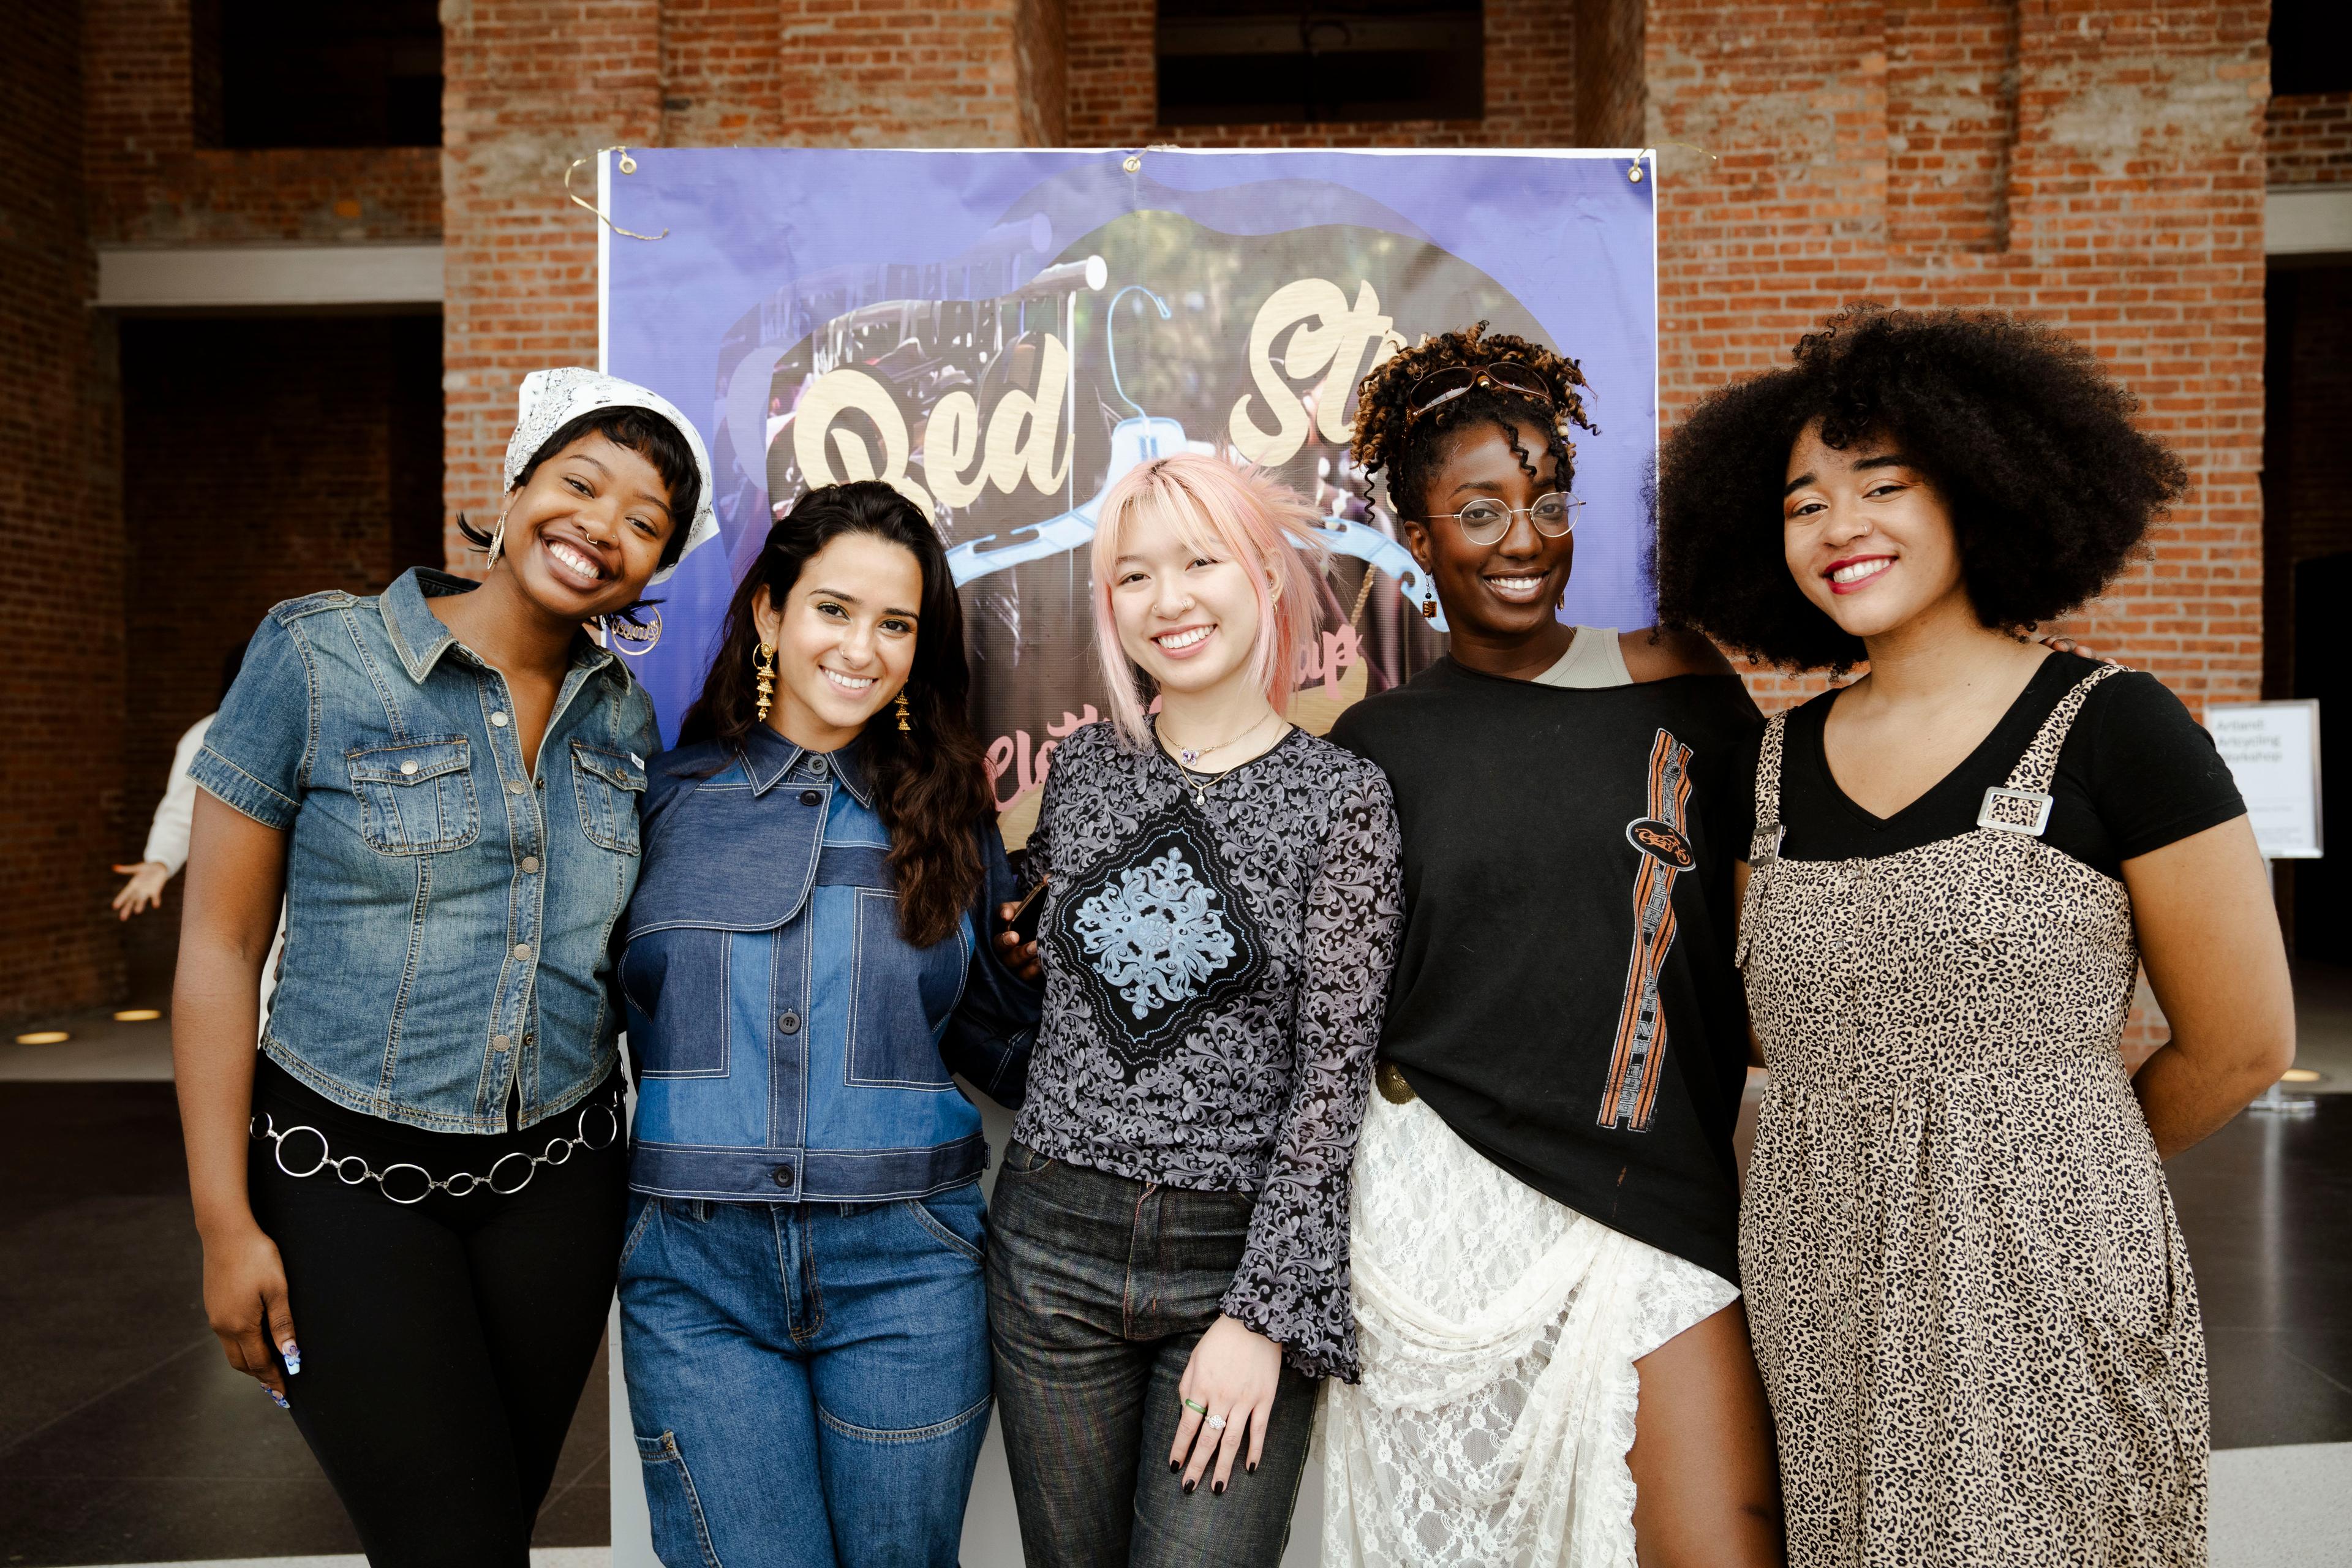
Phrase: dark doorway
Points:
(263, 457)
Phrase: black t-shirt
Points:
(2134, 775)
(1564, 995)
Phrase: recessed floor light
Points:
(138, 1015)
(44, 1037)
(2298, 1074)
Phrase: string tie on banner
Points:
(628, 165)
(1633, 171)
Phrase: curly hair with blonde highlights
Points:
(1406, 450)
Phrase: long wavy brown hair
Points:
(930, 780)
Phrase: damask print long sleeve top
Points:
(1215, 972)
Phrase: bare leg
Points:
(1708, 1484)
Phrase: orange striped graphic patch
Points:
(1662, 837)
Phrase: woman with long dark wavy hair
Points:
(802, 1302)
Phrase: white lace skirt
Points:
(1498, 1329)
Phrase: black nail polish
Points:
(1189, 1486)
(1174, 1466)
(1251, 1469)
(1219, 1488)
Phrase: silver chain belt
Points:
(353, 1170)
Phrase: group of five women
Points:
(1391, 1074)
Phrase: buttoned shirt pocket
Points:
(415, 798)
(609, 784)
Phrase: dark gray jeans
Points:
(1098, 1289)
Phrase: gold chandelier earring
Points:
(903, 725)
(763, 669)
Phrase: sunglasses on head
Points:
(1446, 385)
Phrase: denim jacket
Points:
(789, 1043)
(448, 911)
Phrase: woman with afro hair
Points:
(1971, 1302)
(1555, 1367)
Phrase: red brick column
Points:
(529, 86)
(2130, 215)
(61, 705)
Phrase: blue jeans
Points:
(1099, 1288)
(809, 1382)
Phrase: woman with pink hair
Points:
(1168, 1258)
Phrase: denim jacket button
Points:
(816, 766)
(811, 797)
(514, 786)
(790, 1023)
(406, 768)
(783, 1176)
(522, 950)
(531, 862)
(501, 1042)
(500, 720)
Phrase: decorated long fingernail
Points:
(292, 1355)
(278, 1399)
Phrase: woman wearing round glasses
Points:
(1555, 1365)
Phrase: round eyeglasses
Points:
(1486, 521)
(1446, 385)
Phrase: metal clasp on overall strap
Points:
(2025, 811)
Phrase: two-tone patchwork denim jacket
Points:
(789, 1043)
(450, 909)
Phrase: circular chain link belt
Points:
(420, 1183)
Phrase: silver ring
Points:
(316, 1165)
(352, 1171)
(1214, 1423)
(383, 1183)
(530, 1169)
(558, 1151)
(612, 1126)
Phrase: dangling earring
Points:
(1429, 607)
(903, 725)
(764, 666)
(498, 541)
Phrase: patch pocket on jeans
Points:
(677, 1508)
(608, 784)
(417, 799)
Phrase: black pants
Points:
(1099, 1288)
(445, 1345)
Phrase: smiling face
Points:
(1187, 614)
(1502, 593)
(1866, 536)
(845, 638)
(585, 533)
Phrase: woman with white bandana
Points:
(422, 1165)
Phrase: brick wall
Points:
(2310, 139)
(273, 457)
(522, 259)
(150, 182)
(61, 774)
(2133, 219)
(1531, 48)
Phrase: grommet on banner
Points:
(628, 166)
(1132, 162)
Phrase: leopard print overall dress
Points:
(1969, 1295)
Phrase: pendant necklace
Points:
(1185, 756)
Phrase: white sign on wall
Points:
(2272, 750)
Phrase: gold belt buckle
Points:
(1392, 1085)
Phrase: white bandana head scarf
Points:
(553, 398)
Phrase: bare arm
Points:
(1656, 653)
(2208, 934)
(237, 880)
